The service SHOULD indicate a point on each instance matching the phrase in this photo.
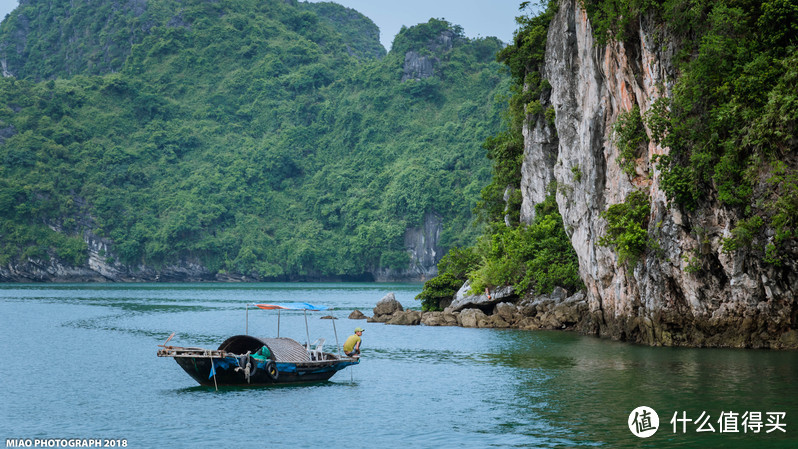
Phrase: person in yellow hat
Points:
(352, 344)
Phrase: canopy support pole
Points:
(307, 331)
(337, 345)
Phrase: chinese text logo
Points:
(643, 422)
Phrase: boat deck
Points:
(284, 350)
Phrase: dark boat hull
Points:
(226, 374)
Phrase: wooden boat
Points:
(235, 362)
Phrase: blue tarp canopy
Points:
(292, 306)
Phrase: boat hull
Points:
(228, 371)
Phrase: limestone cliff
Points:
(422, 244)
(102, 267)
(686, 291)
(418, 66)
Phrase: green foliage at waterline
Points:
(535, 257)
(252, 137)
(453, 271)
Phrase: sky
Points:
(479, 18)
(6, 6)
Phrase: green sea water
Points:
(79, 362)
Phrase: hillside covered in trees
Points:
(266, 139)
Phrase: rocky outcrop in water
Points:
(686, 290)
(386, 308)
(389, 311)
(554, 311)
(357, 315)
(464, 300)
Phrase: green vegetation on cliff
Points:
(627, 227)
(251, 136)
(732, 121)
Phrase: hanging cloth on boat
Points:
(220, 363)
(263, 354)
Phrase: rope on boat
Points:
(247, 369)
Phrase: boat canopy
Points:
(240, 344)
(293, 306)
(289, 306)
(283, 349)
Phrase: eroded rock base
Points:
(769, 327)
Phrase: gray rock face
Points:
(417, 67)
(439, 319)
(422, 244)
(463, 299)
(541, 147)
(405, 318)
(731, 299)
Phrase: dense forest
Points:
(533, 257)
(272, 139)
(279, 140)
